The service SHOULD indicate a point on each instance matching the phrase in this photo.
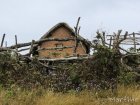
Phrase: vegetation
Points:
(127, 95)
(108, 77)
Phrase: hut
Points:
(63, 43)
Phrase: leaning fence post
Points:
(2, 40)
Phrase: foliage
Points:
(24, 74)
(103, 71)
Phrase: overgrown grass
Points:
(129, 95)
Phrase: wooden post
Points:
(114, 40)
(103, 38)
(2, 40)
(16, 48)
(134, 39)
(16, 43)
(31, 49)
(76, 35)
(78, 30)
(110, 42)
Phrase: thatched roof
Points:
(62, 24)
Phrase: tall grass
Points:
(126, 95)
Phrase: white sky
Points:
(30, 19)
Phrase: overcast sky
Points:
(30, 19)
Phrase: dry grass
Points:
(126, 96)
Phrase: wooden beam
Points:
(128, 38)
(128, 34)
(130, 44)
(119, 48)
(66, 59)
(6, 49)
(23, 49)
(39, 41)
(55, 48)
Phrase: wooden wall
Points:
(61, 32)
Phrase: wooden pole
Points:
(23, 49)
(55, 48)
(103, 38)
(31, 49)
(110, 42)
(19, 45)
(77, 29)
(2, 40)
(16, 43)
(134, 42)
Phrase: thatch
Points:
(62, 24)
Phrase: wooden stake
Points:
(2, 40)
(103, 38)
(110, 42)
(16, 43)
(134, 41)
(77, 29)
(31, 49)
(77, 25)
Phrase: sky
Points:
(30, 19)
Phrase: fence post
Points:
(134, 39)
(2, 40)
